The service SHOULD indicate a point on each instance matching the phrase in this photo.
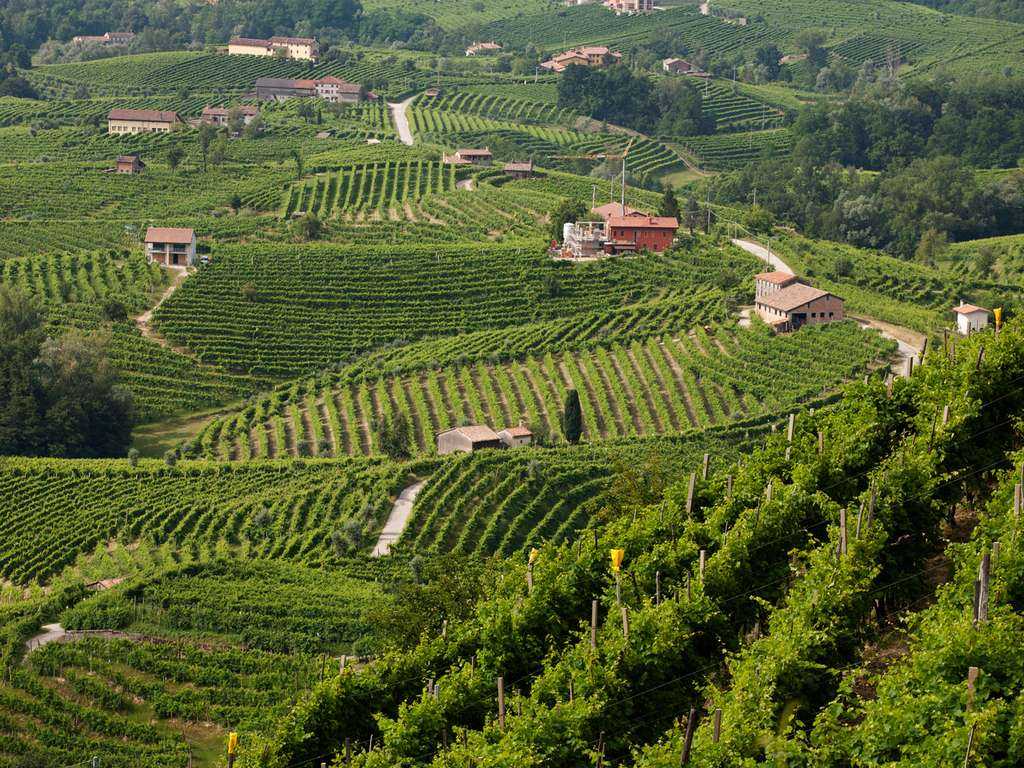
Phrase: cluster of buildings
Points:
(130, 121)
(596, 56)
(331, 89)
(617, 229)
(630, 6)
(477, 437)
(469, 157)
(107, 38)
(297, 48)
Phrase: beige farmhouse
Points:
(122, 121)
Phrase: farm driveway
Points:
(51, 633)
(143, 320)
(398, 519)
(399, 113)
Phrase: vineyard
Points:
(733, 150)
(499, 107)
(664, 385)
(734, 110)
(317, 305)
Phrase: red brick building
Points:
(640, 233)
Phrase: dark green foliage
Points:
(568, 210)
(572, 417)
(394, 436)
(669, 204)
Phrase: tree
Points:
(768, 56)
(305, 110)
(296, 156)
(393, 436)
(692, 213)
(219, 151)
(207, 133)
(572, 417)
(669, 204)
(174, 157)
(811, 42)
(567, 211)
(236, 202)
(310, 227)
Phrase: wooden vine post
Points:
(981, 589)
(501, 703)
(625, 622)
(842, 533)
(691, 726)
(702, 562)
(593, 624)
(689, 494)
(706, 467)
(790, 428)
(716, 733)
(972, 679)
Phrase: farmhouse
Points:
(630, 6)
(520, 170)
(298, 48)
(786, 309)
(483, 48)
(970, 318)
(171, 246)
(282, 89)
(107, 38)
(129, 164)
(680, 67)
(467, 439)
(640, 233)
(588, 56)
(339, 91)
(469, 157)
(515, 437)
(121, 121)
(608, 210)
(768, 283)
(221, 115)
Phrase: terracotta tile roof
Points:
(644, 222)
(474, 152)
(293, 40)
(144, 115)
(343, 85)
(608, 210)
(969, 309)
(177, 235)
(778, 278)
(129, 159)
(252, 42)
(518, 431)
(475, 433)
(520, 167)
(304, 84)
(791, 297)
(284, 82)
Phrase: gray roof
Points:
(791, 297)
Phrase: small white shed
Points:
(970, 318)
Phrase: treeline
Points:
(911, 211)
(616, 95)
(980, 120)
(58, 397)
(1007, 10)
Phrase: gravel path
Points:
(51, 633)
(144, 320)
(401, 120)
(763, 254)
(398, 519)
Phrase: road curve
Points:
(398, 519)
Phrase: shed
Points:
(970, 318)
(520, 170)
(515, 437)
(467, 439)
(130, 164)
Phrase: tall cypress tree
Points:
(572, 417)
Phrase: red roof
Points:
(644, 222)
(608, 210)
(474, 152)
(253, 42)
(475, 433)
(778, 278)
(969, 309)
(293, 40)
(176, 235)
(518, 431)
(144, 115)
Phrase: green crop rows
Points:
(733, 150)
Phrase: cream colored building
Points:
(298, 48)
(124, 121)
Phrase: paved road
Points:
(401, 119)
(763, 254)
(398, 519)
(51, 633)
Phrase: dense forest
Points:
(1007, 10)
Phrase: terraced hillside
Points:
(663, 385)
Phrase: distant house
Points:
(282, 89)
(970, 318)
(680, 67)
(431, 93)
(786, 309)
(298, 48)
(122, 121)
(339, 91)
(630, 6)
(129, 164)
(608, 210)
(587, 56)
(467, 439)
(515, 437)
(220, 115)
(483, 48)
(469, 157)
(520, 170)
(640, 233)
(107, 38)
(171, 246)
(768, 283)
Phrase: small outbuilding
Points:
(520, 170)
(970, 318)
(130, 164)
(467, 439)
(469, 157)
(515, 437)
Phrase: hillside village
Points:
(462, 384)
